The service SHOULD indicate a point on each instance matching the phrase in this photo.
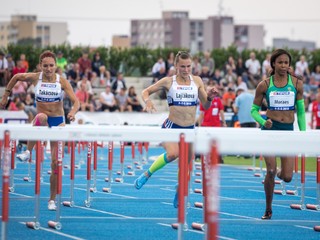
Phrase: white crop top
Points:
(49, 92)
(182, 95)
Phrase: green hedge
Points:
(139, 60)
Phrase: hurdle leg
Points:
(295, 176)
(110, 161)
(88, 199)
(56, 224)
(36, 224)
(302, 205)
(70, 203)
(317, 205)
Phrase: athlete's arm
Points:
(301, 113)
(75, 102)
(18, 77)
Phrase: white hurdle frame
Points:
(252, 140)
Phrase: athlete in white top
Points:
(49, 91)
(183, 91)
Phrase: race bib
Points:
(282, 101)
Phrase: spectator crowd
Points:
(87, 74)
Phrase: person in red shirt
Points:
(19, 68)
(315, 113)
(214, 116)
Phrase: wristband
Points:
(7, 90)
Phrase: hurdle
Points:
(70, 203)
(317, 205)
(56, 224)
(110, 134)
(295, 176)
(32, 221)
(302, 205)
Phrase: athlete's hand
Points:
(149, 107)
(213, 92)
(71, 116)
(3, 102)
(268, 124)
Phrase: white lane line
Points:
(58, 233)
(299, 226)
(105, 212)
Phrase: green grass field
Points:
(311, 162)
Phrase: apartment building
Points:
(26, 28)
(176, 29)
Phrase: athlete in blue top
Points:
(183, 91)
(284, 94)
(49, 91)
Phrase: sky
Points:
(94, 22)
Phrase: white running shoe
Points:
(52, 205)
(24, 156)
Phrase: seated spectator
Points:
(122, 101)
(104, 77)
(61, 72)
(196, 66)
(108, 101)
(205, 74)
(241, 70)
(84, 98)
(159, 70)
(96, 63)
(61, 61)
(229, 79)
(74, 75)
(228, 99)
(19, 89)
(118, 84)
(11, 66)
(19, 68)
(29, 107)
(230, 64)
(217, 75)
(133, 100)
(12, 105)
(87, 84)
(316, 74)
(254, 71)
(241, 84)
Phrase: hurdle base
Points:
(316, 228)
(313, 207)
(33, 225)
(119, 180)
(279, 192)
(11, 189)
(292, 192)
(198, 226)
(55, 225)
(131, 173)
(198, 180)
(176, 226)
(197, 190)
(198, 204)
(108, 190)
(27, 179)
(298, 206)
(93, 189)
(68, 203)
(198, 174)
